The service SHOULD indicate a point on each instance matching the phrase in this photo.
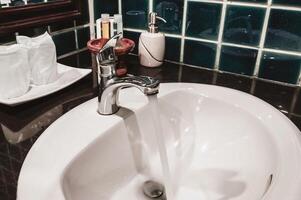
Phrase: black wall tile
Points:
(199, 53)
(203, 20)
(238, 60)
(284, 30)
(172, 49)
(135, 13)
(105, 6)
(280, 67)
(243, 25)
(83, 36)
(172, 12)
(64, 42)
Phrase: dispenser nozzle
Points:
(152, 19)
(162, 19)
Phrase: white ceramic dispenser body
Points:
(152, 43)
(151, 49)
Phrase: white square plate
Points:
(67, 76)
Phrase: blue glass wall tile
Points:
(238, 60)
(172, 49)
(64, 43)
(61, 25)
(105, 6)
(83, 36)
(203, 20)
(135, 13)
(199, 53)
(85, 59)
(84, 18)
(288, 2)
(280, 67)
(284, 30)
(243, 25)
(172, 12)
(133, 36)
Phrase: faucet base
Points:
(114, 109)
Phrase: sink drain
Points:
(153, 190)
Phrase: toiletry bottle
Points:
(118, 26)
(98, 28)
(112, 27)
(152, 43)
(105, 26)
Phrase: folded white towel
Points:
(14, 71)
(42, 58)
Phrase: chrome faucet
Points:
(110, 84)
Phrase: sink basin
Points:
(222, 144)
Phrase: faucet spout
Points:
(110, 84)
(108, 94)
(146, 84)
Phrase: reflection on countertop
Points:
(20, 126)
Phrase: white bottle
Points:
(152, 44)
(118, 26)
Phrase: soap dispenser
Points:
(152, 43)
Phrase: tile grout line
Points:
(262, 38)
(66, 30)
(299, 77)
(239, 45)
(220, 35)
(120, 7)
(254, 5)
(290, 8)
(91, 18)
(172, 35)
(71, 53)
(285, 52)
(201, 40)
(48, 29)
(207, 1)
(184, 19)
(294, 101)
(245, 4)
(75, 36)
(253, 86)
(133, 30)
(180, 73)
(76, 42)
(214, 78)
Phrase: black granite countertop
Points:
(34, 117)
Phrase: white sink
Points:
(222, 145)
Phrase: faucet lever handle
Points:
(107, 55)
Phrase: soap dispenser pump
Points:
(152, 43)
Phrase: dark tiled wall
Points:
(69, 36)
(260, 38)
